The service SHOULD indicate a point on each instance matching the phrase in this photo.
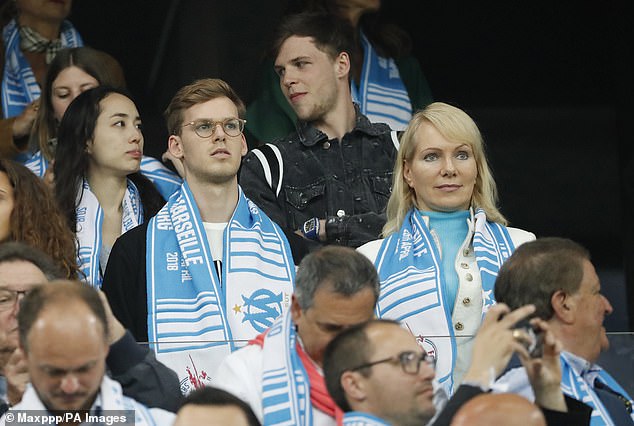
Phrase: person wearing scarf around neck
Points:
(444, 240)
(97, 181)
(34, 31)
(210, 270)
(279, 374)
(387, 82)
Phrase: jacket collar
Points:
(309, 135)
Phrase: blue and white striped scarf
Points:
(194, 319)
(355, 418)
(19, 87)
(166, 181)
(285, 384)
(412, 287)
(381, 95)
(89, 221)
(573, 385)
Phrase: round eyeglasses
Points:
(9, 298)
(410, 361)
(206, 128)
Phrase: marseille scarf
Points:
(381, 95)
(19, 87)
(109, 399)
(412, 290)
(89, 220)
(573, 385)
(319, 396)
(194, 318)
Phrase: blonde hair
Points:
(455, 125)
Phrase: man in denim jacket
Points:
(330, 180)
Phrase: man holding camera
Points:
(378, 374)
(556, 276)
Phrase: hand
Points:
(115, 328)
(494, 343)
(23, 123)
(544, 373)
(17, 376)
(178, 164)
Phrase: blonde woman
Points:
(445, 239)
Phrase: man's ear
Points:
(342, 65)
(175, 146)
(296, 310)
(245, 148)
(353, 387)
(563, 306)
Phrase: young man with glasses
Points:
(379, 375)
(210, 270)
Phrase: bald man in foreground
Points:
(499, 409)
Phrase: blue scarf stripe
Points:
(426, 279)
(187, 320)
(396, 106)
(202, 299)
(170, 347)
(275, 258)
(381, 91)
(406, 273)
(284, 382)
(273, 247)
(575, 386)
(386, 91)
(250, 271)
(201, 332)
(379, 100)
(431, 301)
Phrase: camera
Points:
(535, 343)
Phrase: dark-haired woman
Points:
(97, 180)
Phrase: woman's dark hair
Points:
(72, 159)
(36, 219)
(99, 65)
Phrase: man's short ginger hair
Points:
(198, 92)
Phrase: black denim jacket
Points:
(346, 182)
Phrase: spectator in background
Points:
(556, 275)
(64, 334)
(72, 72)
(330, 180)
(23, 268)
(386, 81)
(29, 213)
(211, 406)
(97, 181)
(445, 237)
(32, 33)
